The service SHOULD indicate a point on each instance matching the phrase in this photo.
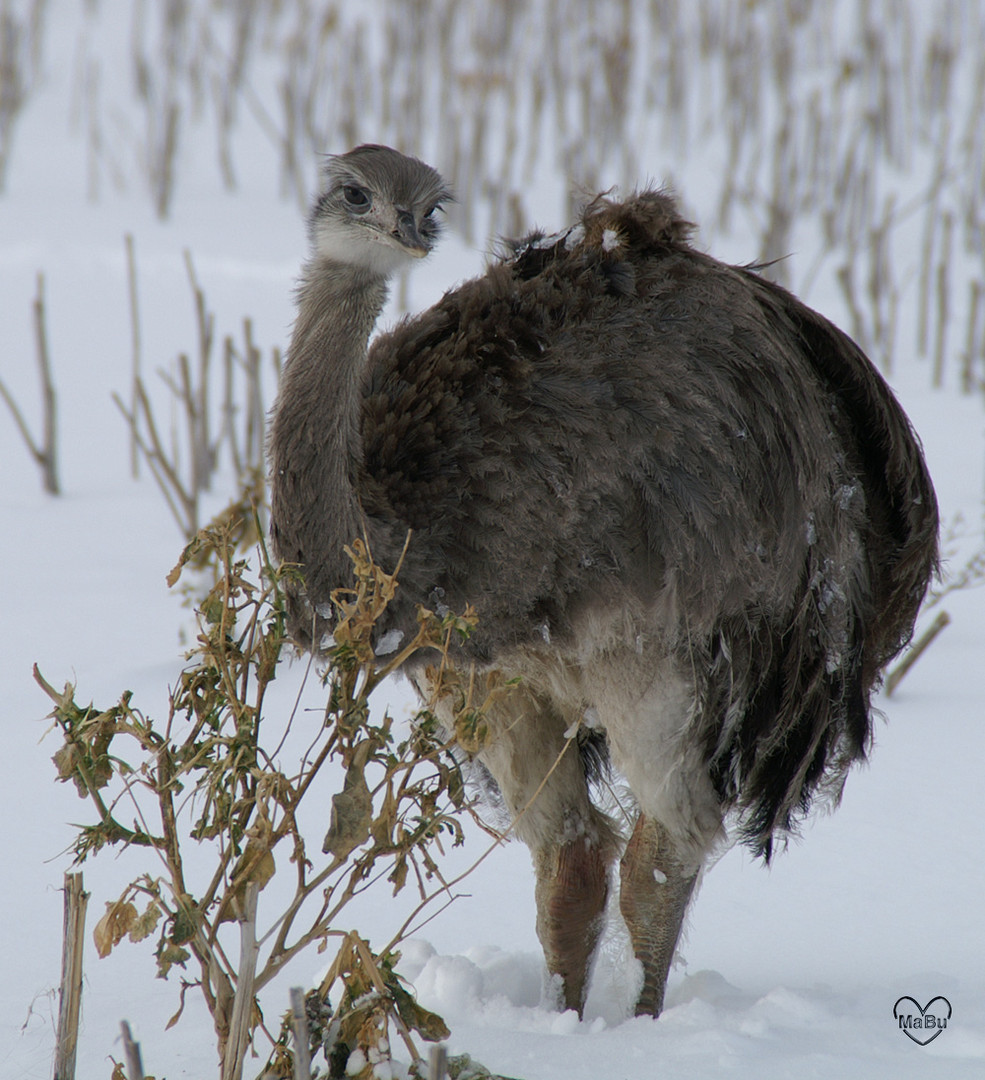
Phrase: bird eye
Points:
(355, 197)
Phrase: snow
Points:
(574, 237)
(389, 643)
(788, 971)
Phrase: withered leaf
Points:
(385, 821)
(143, 925)
(191, 549)
(430, 1025)
(399, 873)
(255, 864)
(462, 1067)
(66, 762)
(186, 921)
(352, 808)
(471, 731)
(113, 926)
(168, 955)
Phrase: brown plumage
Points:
(687, 509)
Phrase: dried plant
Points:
(212, 774)
(161, 82)
(968, 575)
(43, 450)
(816, 123)
(21, 34)
(971, 573)
(233, 421)
(569, 90)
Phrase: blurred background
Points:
(842, 137)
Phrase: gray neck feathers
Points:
(315, 441)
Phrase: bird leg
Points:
(572, 885)
(655, 887)
(542, 780)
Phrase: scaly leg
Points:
(656, 886)
(571, 842)
(542, 781)
(572, 885)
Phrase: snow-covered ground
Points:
(787, 972)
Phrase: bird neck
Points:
(315, 437)
(338, 306)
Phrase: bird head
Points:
(377, 209)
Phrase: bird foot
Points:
(572, 885)
(655, 888)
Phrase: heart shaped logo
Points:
(922, 1023)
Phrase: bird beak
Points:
(406, 232)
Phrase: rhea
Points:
(693, 520)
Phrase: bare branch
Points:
(50, 456)
(45, 452)
(134, 347)
(915, 651)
